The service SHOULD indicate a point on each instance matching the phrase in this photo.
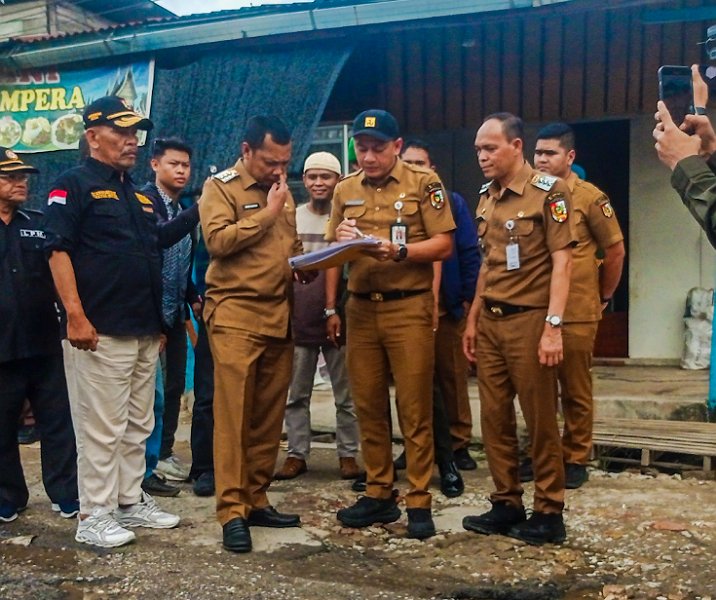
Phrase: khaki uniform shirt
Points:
(425, 211)
(596, 227)
(534, 212)
(249, 280)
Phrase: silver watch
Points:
(328, 312)
(554, 320)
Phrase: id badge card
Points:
(513, 256)
(399, 233)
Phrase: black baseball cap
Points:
(12, 163)
(376, 123)
(115, 112)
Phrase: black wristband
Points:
(700, 110)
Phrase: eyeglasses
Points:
(16, 177)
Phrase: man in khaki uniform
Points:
(390, 313)
(590, 291)
(248, 220)
(514, 328)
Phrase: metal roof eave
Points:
(162, 36)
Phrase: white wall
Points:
(668, 252)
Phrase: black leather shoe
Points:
(464, 461)
(237, 537)
(451, 483)
(399, 463)
(270, 517)
(205, 484)
(156, 485)
(501, 518)
(369, 511)
(575, 476)
(540, 528)
(360, 485)
(525, 471)
(420, 523)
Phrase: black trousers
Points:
(441, 428)
(41, 380)
(202, 421)
(174, 365)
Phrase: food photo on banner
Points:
(42, 110)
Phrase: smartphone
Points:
(676, 90)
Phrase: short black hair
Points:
(558, 131)
(512, 126)
(259, 126)
(161, 145)
(415, 143)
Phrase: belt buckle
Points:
(376, 297)
(496, 310)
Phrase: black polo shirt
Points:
(27, 296)
(109, 230)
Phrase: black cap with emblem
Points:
(376, 123)
(12, 163)
(115, 112)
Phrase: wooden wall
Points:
(578, 61)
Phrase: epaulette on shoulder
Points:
(485, 187)
(33, 211)
(543, 181)
(227, 175)
(597, 195)
(352, 174)
(418, 168)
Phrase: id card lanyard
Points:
(512, 250)
(398, 230)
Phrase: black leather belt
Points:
(387, 296)
(500, 309)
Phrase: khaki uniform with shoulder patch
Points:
(596, 227)
(389, 319)
(248, 291)
(519, 230)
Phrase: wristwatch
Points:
(554, 320)
(700, 110)
(328, 312)
(402, 253)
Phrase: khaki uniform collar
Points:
(518, 183)
(572, 180)
(396, 173)
(247, 179)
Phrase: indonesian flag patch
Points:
(57, 197)
(557, 207)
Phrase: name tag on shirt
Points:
(513, 256)
(32, 233)
(250, 206)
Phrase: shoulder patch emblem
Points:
(142, 198)
(607, 209)
(227, 175)
(557, 207)
(543, 182)
(436, 193)
(57, 197)
(485, 187)
(99, 194)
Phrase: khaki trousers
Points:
(451, 372)
(508, 365)
(251, 377)
(384, 337)
(111, 395)
(575, 380)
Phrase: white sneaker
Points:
(102, 530)
(146, 513)
(173, 469)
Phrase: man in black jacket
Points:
(171, 163)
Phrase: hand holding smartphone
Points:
(677, 92)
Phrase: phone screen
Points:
(676, 90)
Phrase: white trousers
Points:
(111, 395)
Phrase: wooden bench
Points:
(656, 436)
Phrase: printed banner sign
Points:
(41, 111)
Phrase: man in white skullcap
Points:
(315, 309)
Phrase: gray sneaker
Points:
(173, 468)
(102, 530)
(145, 513)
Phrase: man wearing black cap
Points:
(390, 313)
(102, 240)
(30, 352)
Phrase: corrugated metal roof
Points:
(244, 23)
